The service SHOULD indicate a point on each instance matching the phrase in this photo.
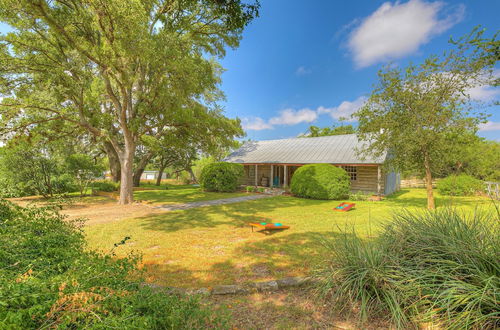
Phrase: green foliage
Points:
(459, 185)
(320, 181)
(28, 170)
(440, 267)
(422, 112)
(105, 185)
(315, 131)
(250, 189)
(261, 189)
(83, 169)
(50, 279)
(221, 177)
(150, 67)
(359, 196)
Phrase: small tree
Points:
(84, 170)
(418, 113)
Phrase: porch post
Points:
(379, 178)
(271, 180)
(285, 175)
(256, 174)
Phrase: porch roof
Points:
(337, 149)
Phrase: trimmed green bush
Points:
(438, 267)
(250, 189)
(459, 185)
(221, 177)
(320, 181)
(107, 186)
(49, 279)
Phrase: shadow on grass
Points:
(294, 254)
(417, 198)
(239, 214)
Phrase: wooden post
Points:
(256, 175)
(285, 177)
(271, 182)
(379, 178)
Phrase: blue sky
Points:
(307, 63)
(311, 62)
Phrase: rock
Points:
(227, 289)
(291, 281)
(200, 291)
(267, 286)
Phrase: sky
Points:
(314, 62)
(305, 63)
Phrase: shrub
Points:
(440, 267)
(261, 189)
(250, 189)
(49, 279)
(222, 177)
(104, 185)
(320, 181)
(359, 196)
(459, 185)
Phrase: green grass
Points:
(214, 245)
(175, 194)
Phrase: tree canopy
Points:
(315, 131)
(120, 70)
(422, 113)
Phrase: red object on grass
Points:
(344, 207)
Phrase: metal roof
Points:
(337, 149)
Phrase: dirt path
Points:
(223, 201)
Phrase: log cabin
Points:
(271, 163)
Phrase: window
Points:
(352, 171)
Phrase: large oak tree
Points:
(119, 69)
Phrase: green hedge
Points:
(104, 185)
(222, 177)
(320, 181)
(459, 185)
(50, 279)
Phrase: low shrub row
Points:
(438, 267)
(459, 185)
(49, 279)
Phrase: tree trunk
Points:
(160, 174)
(428, 183)
(137, 176)
(141, 167)
(193, 177)
(126, 184)
(114, 161)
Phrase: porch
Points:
(364, 178)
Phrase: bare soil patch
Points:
(297, 308)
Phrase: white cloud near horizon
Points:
(293, 117)
(345, 110)
(289, 117)
(397, 29)
(302, 71)
(255, 124)
(489, 126)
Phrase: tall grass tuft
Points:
(441, 267)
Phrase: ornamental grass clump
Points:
(440, 267)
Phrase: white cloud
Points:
(398, 29)
(302, 71)
(489, 126)
(255, 124)
(290, 116)
(293, 117)
(484, 93)
(344, 110)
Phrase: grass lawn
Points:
(203, 247)
(174, 194)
